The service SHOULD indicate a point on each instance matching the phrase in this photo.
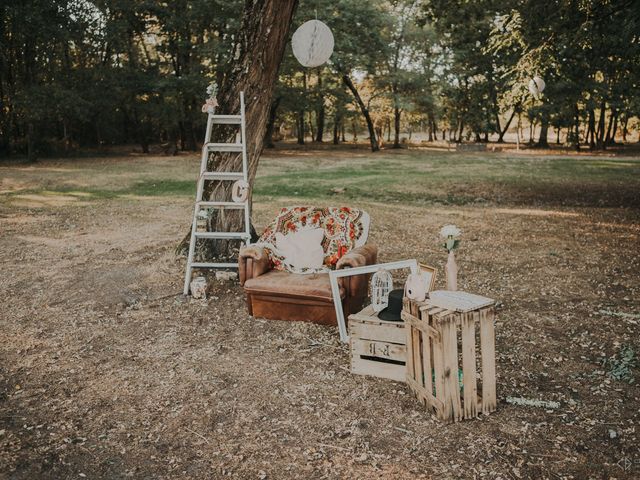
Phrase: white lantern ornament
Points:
(312, 43)
(381, 285)
(536, 86)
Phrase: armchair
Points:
(274, 293)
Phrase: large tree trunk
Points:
(259, 50)
(365, 112)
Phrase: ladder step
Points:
(222, 235)
(231, 205)
(213, 265)
(223, 175)
(223, 147)
(227, 119)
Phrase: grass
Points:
(407, 176)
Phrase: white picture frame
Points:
(334, 275)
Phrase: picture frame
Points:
(431, 272)
(334, 275)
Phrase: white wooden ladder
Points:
(208, 147)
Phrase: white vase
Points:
(451, 270)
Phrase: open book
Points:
(458, 301)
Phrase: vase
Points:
(451, 270)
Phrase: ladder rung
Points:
(224, 147)
(227, 119)
(213, 265)
(223, 175)
(231, 205)
(239, 235)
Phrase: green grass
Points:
(407, 176)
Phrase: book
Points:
(458, 301)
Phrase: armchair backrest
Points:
(344, 229)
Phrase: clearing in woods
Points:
(109, 372)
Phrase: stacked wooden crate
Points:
(377, 346)
(434, 359)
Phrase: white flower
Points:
(450, 231)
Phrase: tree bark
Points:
(502, 132)
(396, 126)
(600, 135)
(591, 129)
(336, 128)
(259, 50)
(543, 141)
(273, 111)
(320, 112)
(365, 112)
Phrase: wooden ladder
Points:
(209, 147)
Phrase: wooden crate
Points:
(440, 343)
(377, 346)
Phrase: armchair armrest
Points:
(253, 261)
(356, 285)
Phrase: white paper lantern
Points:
(381, 285)
(312, 43)
(536, 86)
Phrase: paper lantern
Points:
(536, 86)
(312, 43)
(381, 285)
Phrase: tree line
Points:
(76, 73)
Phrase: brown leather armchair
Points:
(275, 293)
(280, 295)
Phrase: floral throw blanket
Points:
(344, 229)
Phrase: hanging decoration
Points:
(536, 86)
(381, 285)
(312, 43)
(211, 103)
(240, 191)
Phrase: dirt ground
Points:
(106, 371)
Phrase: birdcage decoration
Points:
(381, 285)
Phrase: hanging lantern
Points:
(312, 43)
(536, 86)
(381, 285)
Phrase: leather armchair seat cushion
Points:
(276, 282)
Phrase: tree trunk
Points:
(543, 142)
(612, 119)
(300, 127)
(273, 111)
(320, 111)
(591, 129)
(259, 50)
(625, 125)
(600, 135)
(336, 128)
(343, 137)
(502, 132)
(396, 126)
(32, 155)
(365, 112)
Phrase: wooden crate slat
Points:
(452, 386)
(470, 384)
(488, 358)
(417, 357)
(379, 349)
(370, 331)
(378, 369)
(426, 358)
